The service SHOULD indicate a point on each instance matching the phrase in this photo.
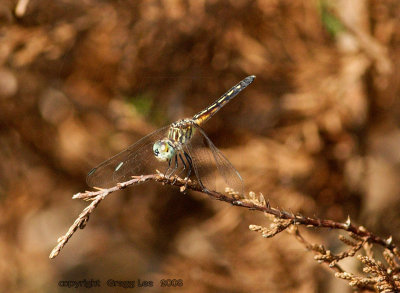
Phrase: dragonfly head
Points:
(164, 150)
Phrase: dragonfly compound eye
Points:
(163, 150)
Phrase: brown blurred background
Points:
(317, 132)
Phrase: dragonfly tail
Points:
(203, 116)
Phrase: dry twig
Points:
(380, 278)
(252, 203)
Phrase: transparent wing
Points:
(212, 168)
(138, 159)
(203, 162)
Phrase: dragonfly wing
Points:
(212, 165)
(202, 161)
(136, 160)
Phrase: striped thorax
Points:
(179, 133)
(182, 131)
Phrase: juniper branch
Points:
(261, 206)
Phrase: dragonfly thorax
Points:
(181, 131)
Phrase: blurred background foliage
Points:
(317, 133)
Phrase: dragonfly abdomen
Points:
(207, 113)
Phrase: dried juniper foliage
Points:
(374, 275)
(378, 277)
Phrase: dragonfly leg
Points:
(183, 162)
(189, 160)
(184, 167)
(169, 166)
(173, 169)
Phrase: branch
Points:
(83, 218)
(231, 197)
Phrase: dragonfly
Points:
(182, 147)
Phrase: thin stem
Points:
(99, 195)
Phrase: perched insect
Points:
(181, 146)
